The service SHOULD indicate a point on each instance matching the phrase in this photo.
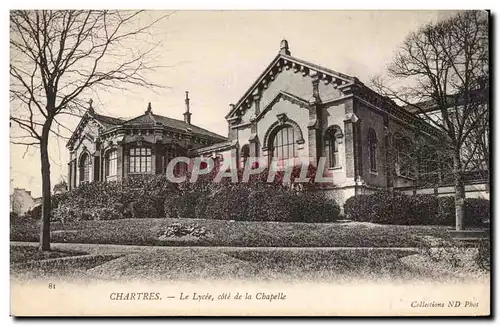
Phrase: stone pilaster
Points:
(157, 166)
(96, 172)
(70, 175)
(389, 159)
(350, 141)
(314, 126)
(120, 160)
(75, 167)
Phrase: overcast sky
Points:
(217, 55)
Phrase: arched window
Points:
(140, 160)
(403, 148)
(372, 149)
(428, 164)
(172, 152)
(332, 139)
(282, 143)
(110, 163)
(245, 153)
(84, 167)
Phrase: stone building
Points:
(21, 201)
(295, 109)
(298, 109)
(104, 148)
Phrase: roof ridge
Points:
(296, 60)
(188, 125)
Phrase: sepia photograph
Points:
(249, 162)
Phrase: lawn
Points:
(228, 233)
(31, 253)
(130, 263)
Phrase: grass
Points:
(249, 264)
(227, 233)
(30, 263)
(19, 254)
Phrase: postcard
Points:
(249, 163)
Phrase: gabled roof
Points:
(283, 59)
(183, 126)
(106, 121)
(146, 119)
(155, 119)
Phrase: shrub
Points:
(179, 230)
(359, 208)
(395, 208)
(477, 212)
(140, 196)
(13, 216)
(253, 201)
(313, 206)
(446, 210)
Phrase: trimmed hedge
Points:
(153, 196)
(256, 200)
(137, 197)
(252, 202)
(395, 208)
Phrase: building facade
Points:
(21, 201)
(294, 110)
(297, 109)
(104, 148)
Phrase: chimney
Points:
(187, 114)
(149, 109)
(284, 47)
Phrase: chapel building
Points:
(298, 109)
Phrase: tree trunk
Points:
(459, 192)
(46, 195)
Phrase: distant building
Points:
(60, 188)
(21, 201)
(105, 148)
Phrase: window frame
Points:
(108, 161)
(405, 170)
(180, 168)
(276, 144)
(333, 134)
(84, 166)
(144, 159)
(244, 155)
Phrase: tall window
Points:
(140, 160)
(170, 153)
(84, 168)
(428, 165)
(404, 164)
(332, 136)
(245, 153)
(283, 143)
(111, 163)
(372, 149)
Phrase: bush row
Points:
(395, 208)
(153, 196)
(136, 197)
(252, 202)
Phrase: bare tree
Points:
(441, 73)
(58, 56)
